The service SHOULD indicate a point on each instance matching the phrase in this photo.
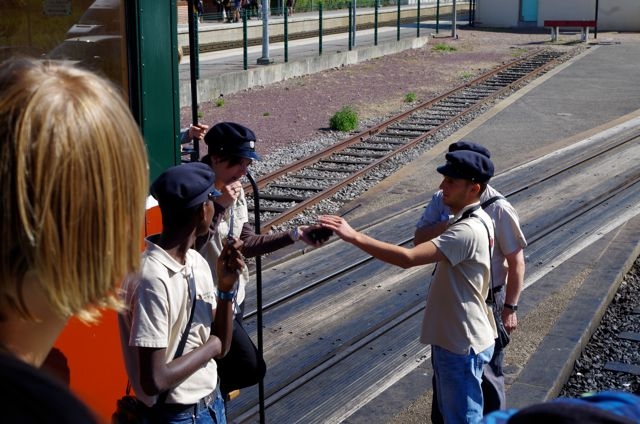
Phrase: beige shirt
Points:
(212, 249)
(159, 301)
(456, 316)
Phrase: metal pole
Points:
(195, 155)
(286, 34)
(437, 16)
(245, 41)
(256, 208)
(320, 29)
(353, 27)
(595, 29)
(398, 22)
(350, 24)
(196, 51)
(454, 23)
(375, 24)
(265, 60)
(418, 20)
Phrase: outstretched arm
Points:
(396, 255)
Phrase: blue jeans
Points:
(458, 383)
(214, 414)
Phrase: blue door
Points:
(529, 10)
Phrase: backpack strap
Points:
(487, 202)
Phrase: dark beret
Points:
(468, 165)
(231, 139)
(469, 145)
(184, 186)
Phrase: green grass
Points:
(442, 47)
(346, 119)
(410, 97)
(220, 102)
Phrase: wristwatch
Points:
(510, 306)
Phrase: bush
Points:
(346, 119)
(410, 97)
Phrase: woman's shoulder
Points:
(31, 396)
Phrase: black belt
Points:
(178, 408)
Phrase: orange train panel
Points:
(93, 354)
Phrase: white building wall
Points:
(613, 15)
(497, 13)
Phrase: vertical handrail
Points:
(258, 259)
(437, 16)
(196, 51)
(195, 154)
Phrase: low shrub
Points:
(346, 119)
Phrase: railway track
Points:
(337, 335)
(294, 188)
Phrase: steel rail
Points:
(358, 341)
(572, 162)
(412, 142)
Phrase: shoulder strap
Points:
(183, 340)
(491, 298)
(469, 212)
(487, 202)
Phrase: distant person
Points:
(74, 177)
(290, 6)
(231, 152)
(177, 323)
(458, 323)
(254, 8)
(508, 268)
(237, 4)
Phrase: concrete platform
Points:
(582, 98)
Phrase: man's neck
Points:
(177, 244)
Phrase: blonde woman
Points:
(74, 179)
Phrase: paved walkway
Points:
(590, 94)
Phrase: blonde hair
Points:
(74, 178)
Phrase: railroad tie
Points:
(620, 366)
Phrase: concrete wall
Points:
(231, 82)
(497, 13)
(613, 15)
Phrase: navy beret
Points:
(468, 165)
(231, 139)
(184, 186)
(469, 145)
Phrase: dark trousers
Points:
(493, 395)
(242, 366)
